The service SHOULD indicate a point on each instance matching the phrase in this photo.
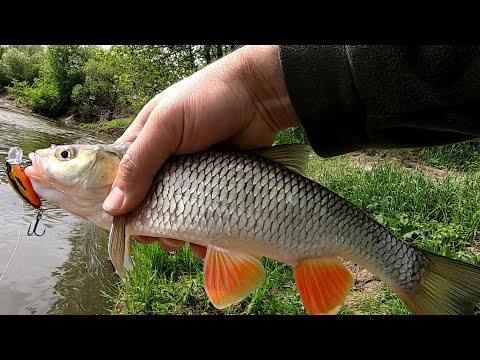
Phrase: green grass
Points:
(461, 156)
(115, 125)
(291, 135)
(440, 215)
(163, 283)
(384, 302)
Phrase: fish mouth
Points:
(36, 169)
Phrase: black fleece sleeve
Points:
(355, 97)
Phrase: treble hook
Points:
(39, 216)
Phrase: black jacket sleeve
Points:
(355, 97)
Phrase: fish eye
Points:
(65, 154)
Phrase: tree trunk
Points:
(219, 51)
(208, 58)
(113, 105)
(192, 61)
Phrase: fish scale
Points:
(334, 226)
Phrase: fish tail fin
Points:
(449, 287)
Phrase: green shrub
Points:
(43, 97)
(21, 64)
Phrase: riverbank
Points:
(10, 104)
(112, 129)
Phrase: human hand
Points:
(240, 101)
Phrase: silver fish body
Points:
(243, 206)
(255, 205)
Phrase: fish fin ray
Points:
(127, 260)
(449, 287)
(292, 156)
(116, 244)
(323, 284)
(230, 277)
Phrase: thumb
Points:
(131, 185)
(140, 164)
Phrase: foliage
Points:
(149, 69)
(102, 95)
(20, 63)
(98, 84)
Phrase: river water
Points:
(66, 271)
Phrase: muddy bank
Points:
(9, 104)
(67, 120)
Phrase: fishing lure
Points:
(18, 180)
(21, 184)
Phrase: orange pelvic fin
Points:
(323, 284)
(21, 185)
(230, 277)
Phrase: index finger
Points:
(137, 125)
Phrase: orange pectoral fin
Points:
(230, 277)
(323, 284)
(21, 185)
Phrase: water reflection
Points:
(85, 273)
(64, 271)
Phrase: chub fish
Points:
(247, 205)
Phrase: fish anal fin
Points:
(229, 276)
(323, 284)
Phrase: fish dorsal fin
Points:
(293, 156)
(117, 244)
(229, 277)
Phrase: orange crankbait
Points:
(18, 180)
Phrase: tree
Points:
(208, 55)
(21, 63)
(219, 51)
(62, 69)
(65, 68)
(103, 93)
(147, 70)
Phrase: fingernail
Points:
(114, 200)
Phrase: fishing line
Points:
(14, 156)
(16, 245)
(18, 235)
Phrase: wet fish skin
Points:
(243, 206)
(255, 205)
